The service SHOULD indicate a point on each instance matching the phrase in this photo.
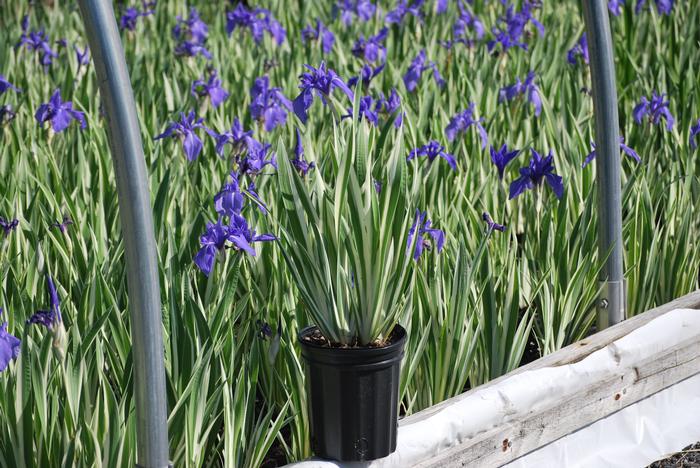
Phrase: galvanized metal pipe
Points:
(137, 228)
(611, 305)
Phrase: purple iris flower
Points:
(256, 159)
(492, 225)
(366, 110)
(185, 130)
(63, 225)
(242, 236)
(190, 49)
(440, 6)
(38, 42)
(265, 330)
(421, 228)
(367, 74)
(131, 15)
(663, 7)
(462, 121)
(212, 242)
(128, 19)
(465, 21)
(242, 17)
(506, 41)
(501, 158)
(390, 106)
(655, 108)
(273, 27)
(403, 8)
(371, 49)
(267, 104)
(580, 49)
(625, 149)
(615, 6)
(9, 345)
(694, 135)
(511, 27)
(83, 57)
(5, 85)
(42, 317)
(527, 88)
(319, 32)
(239, 139)
(59, 113)
(257, 20)
(211, 88)
(51, 318)
(8, 225)
(416, 69)
(349, 9)
(192, 28)
(301, 164)
(317, 82)
(229, 200)
(539, 170)
(219, 236)
(191, 35)
(432, 151)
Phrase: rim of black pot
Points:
(386, 355)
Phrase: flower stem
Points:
(210, 284)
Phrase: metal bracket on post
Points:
(137, 229)
(611, 305)
(612, 299)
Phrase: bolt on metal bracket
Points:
(611, 307)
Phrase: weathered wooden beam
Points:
(509, 441)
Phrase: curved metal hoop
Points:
(137, 228)
(611, 304)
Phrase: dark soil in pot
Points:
(275, 457)
(353, 396)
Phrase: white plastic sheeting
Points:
(515, 397)
(633, 437)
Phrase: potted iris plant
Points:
(346, 236)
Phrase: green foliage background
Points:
(473, 308)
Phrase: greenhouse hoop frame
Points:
(136, 215)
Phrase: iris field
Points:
(501, 241)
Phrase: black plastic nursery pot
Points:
(353, 397)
